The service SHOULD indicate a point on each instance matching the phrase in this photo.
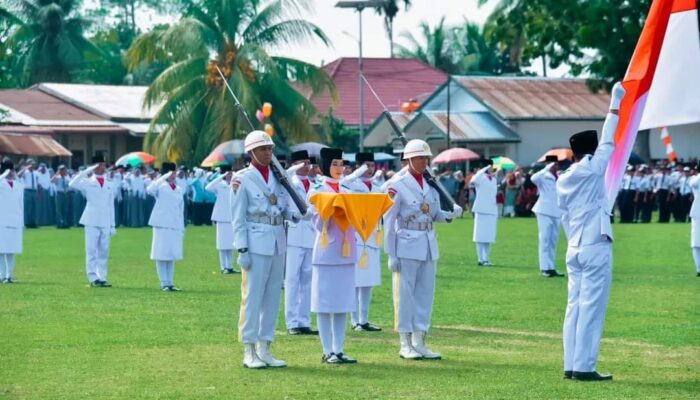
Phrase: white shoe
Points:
(267, 358)
(418, 339)
(250, 358)
(407, 351)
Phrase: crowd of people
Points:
(279, 224)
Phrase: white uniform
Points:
(410, 238)
(297, 277)
(258, 226)
(548, 217)
(485, 212)
(221, 216)
(167, 220)
(694, 184)
(98, 220)
(11, 224)
(369, 275)
(586, 222)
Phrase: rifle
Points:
(447, 203)
(275, 166)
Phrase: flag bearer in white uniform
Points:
(548, 216)
(333, 274)
(411, 245)
(258, 212)
(485, 212)
(586, 221)
(97, 218)
(367, 275)
(11, 220)
(300, 244)
(167, 220)
(694, 184)
(221, 217)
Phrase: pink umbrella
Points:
(455, 155)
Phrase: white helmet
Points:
(257, 139)
(416, 148)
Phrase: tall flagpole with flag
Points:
(662, 84)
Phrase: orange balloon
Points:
(267, 110)
(406, 107)
(270, 130)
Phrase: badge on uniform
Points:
(425, 207)
(273, 199)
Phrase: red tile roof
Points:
(537, 98)
(395, 80)
(42, 106)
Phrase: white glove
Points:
(87, 171)
(394, 264)
(244, 260)
(112, 231)
(307, 216)
(616, 95)
(456, 212)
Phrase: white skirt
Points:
(333, 288)
(224, 236)
(695, 232)
(370, 275)
(167, 244)
(11, 240)
(484, 228)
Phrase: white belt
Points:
(418, 226)
(264, 219)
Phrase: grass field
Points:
(499, 329)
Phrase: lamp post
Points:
(358, 6)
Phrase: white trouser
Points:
(482, 251)
(166, 272)
(96, 252)
(261, 288)
(548, 237)
(225, 259)
(331, 330)
(414, 289)
(696, 257)
(590, 272)
(297, 287)
(364, 297)
(7, 265)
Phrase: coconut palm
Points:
(473, 52)
(389, 10)
(433, 48)
(47, 40)
(196, 112)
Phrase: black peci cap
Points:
(584, 142)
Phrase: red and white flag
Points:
(662, 82)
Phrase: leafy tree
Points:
(196, 111)
(337, 134)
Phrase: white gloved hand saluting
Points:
(244, 260)
(394, 264)
(616, 95)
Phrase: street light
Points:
(358, 6)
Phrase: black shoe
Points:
(367, 327)
(9, 280)
(229, 271)
(173, 288)
(555, 274)
(568, 374)
(294, 331)
(96, 283)
(698, 273)
(331, 359)
(345, 359)
(590, 376)
(479, 263)
(305, 330)
(105, 284)
(165, 288)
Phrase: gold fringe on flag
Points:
(324, 235)
(364, 258)
(380, 236)
(346, 246)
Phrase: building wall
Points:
(537, 137)
(685, 140)
(85, 145)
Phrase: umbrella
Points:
(455, 155)
(224, 154)
(313, 148)
(563, 153)
(135, 158)
(378, 157)
(503, 163)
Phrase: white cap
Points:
(257, 139)
(416, 148)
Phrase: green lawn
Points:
(499, 329)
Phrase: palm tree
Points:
(507, 25)
(475, 53)
(433, 49)
(196, 112)
(47, 40)
(389, 11)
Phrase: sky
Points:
(342, 28)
